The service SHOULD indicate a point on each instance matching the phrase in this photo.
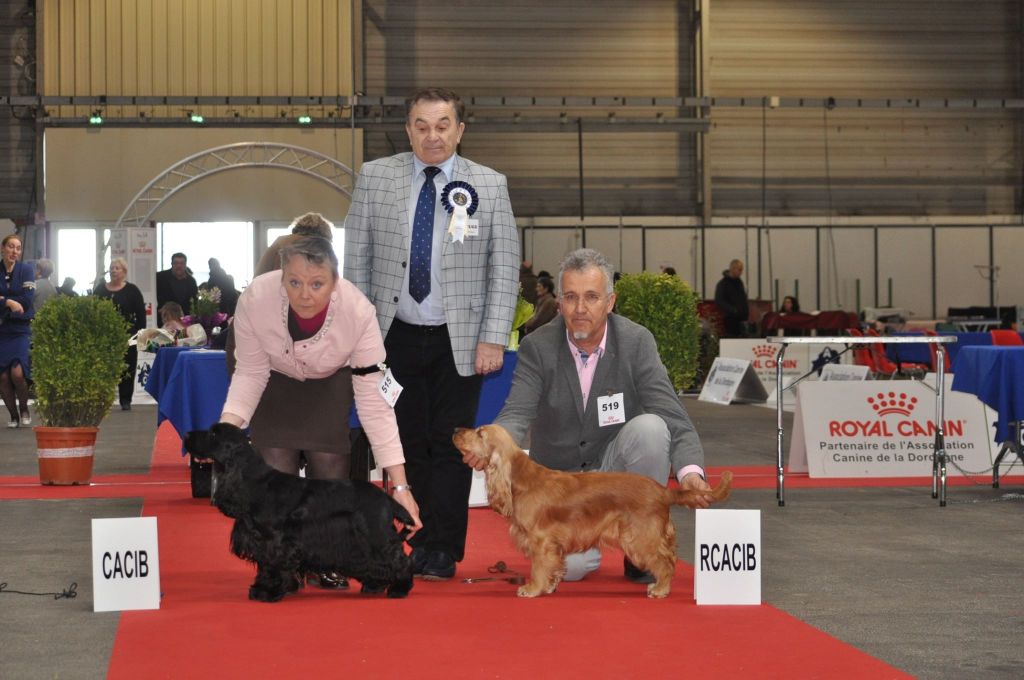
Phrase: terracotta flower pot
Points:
(65, 454)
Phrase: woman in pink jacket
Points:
(307, 343)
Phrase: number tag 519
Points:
(611, 410)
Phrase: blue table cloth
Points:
(495, 389)
(921, 354)
(996, 376)
(160, 372)
(196, 391)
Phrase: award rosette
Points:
(461, 201)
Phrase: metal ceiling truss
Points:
(228, 157)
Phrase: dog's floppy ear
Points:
(499, 473)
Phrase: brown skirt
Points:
(310, 415)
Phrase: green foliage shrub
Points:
(667, 307)
(78, 346)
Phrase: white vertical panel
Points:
(905, 256)
(549, 247)
(675, 247)
(792, 264)
(958, 283)
(1008, 243)
(850, 259)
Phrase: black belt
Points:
(414, 328)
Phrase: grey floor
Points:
(936, 592)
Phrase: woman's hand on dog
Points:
(396, 474)
(695, 482)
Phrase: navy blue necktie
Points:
(423, 237)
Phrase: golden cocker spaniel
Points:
(554, 514)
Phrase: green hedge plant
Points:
(667, 307)
(78, 347)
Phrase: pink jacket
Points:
(350, 336)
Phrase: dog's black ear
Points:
(197, 442)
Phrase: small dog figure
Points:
(555, 514)
(289, 525)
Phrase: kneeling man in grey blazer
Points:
(592, 391)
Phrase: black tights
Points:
(319, 464)
(13, 383)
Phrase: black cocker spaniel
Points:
(289, 525)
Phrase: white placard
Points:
(798, 360)
(732, 380)
(727, 557)
(125, 564)
(844, 372)
(885, 429)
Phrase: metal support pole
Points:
(780, 475)
(939, 455)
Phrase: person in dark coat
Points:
(128, 299)
(17, 291)
(225, 283)
(731, 298)
(176, 284)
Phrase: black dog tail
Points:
(402, 515)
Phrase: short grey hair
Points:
(121, 261)
(315, 249)
(44, 266)
(585, 258)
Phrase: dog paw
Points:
(528, 591)
(656, 593)
(261, 594)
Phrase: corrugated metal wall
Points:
(535, 48)
(849, 161)
(196, 47)
(17, 124)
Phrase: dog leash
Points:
(499, 567)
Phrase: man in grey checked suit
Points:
(594, 394)
(440, 347)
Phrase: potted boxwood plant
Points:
(667, 307)
(78, 346)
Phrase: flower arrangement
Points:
(206, 303)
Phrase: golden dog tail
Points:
(689, 497)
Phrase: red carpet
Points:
(602, 627)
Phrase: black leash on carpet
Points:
(71, 592)
(499, 567)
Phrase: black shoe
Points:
(328, 580)
(440, 566)
(126, 406)
(636, 574)
(419, 558)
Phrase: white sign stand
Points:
(727, 556)
(125, 564)
(844, 372)
(732, 380)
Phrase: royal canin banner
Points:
(885, 428)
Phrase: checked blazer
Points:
(480, 276)
(546, 397)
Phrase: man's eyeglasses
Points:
(588, 299)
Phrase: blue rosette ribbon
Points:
(460, 200)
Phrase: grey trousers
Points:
(641, 446)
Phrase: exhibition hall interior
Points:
(787, 232)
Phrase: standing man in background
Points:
(731, 298)
(431, 240)
(176, 284)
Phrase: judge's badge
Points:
(461, 201)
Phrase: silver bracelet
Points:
(401, 487)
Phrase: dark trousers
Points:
(435, 400)
(126, 388)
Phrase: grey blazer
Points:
(546, 395)
(480, 275)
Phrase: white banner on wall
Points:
(138, 247)
(884, 429)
